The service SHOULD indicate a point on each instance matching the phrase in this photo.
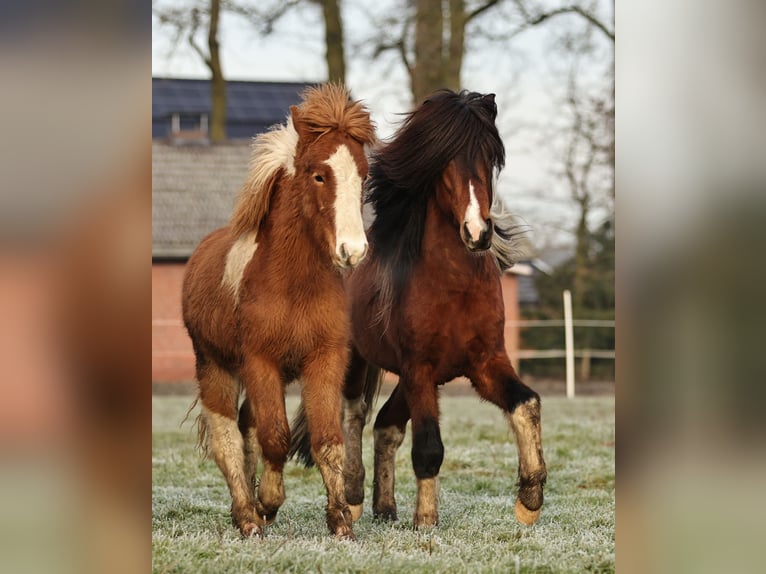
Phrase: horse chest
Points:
(294, 324)
(452, 328)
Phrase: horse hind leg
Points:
(219, 394)
(362, 384)
(389, 430)
(499, 384)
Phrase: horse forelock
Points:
(273, 152)
(405, 172)
(329, 107)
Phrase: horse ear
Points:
(295, 113)
(490, 99)
(298, 123)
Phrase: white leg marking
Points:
(473, 219)
(227, 447)
(237, 259)
(349, 228)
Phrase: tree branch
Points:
(400, 45)
(536, 20)
(480, 10)
(263, 19)
(193, 43)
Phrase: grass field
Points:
(191, 530)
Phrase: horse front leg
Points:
(323, 378)
(497, 382)
(265, 392)
(427, 447)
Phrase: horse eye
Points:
(318, 178)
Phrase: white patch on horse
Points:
(473, 219)
(237, 259)
(349, 228)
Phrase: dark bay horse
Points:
(427, 303)
(264, 304)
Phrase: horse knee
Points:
(274, 442)
(330, 455)
(427, 449)
(517, 393)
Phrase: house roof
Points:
(260, 102)
(193, 193)
(194, 186)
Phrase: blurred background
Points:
(75, 270)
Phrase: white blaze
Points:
(237, 259)
(473, 219)
(349, 229)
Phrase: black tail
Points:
(300, 442)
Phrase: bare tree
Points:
(196, 15)
(430, 37)
(264, 15)
(187, 22)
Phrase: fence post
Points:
(569, 343)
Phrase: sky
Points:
(523, 73)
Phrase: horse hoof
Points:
(356, 511)
(250, 530)
(387, 514)
(425, 521)
(344, 533)
(524, 515)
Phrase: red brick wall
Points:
(172, 355)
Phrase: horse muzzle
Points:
(349, 255)
(480, 242)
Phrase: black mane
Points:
(405, 172)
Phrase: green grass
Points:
(191, 530)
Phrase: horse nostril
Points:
(343, 252)
(486, 235)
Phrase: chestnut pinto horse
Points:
(264, 304)
(427, 304)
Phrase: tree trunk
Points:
(428, 72)
(582, 250)
(218, 83)
(336, 61)
(454, 63)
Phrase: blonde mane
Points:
(325, 108)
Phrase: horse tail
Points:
(202, 429)
(300, 438)
(372, 383)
